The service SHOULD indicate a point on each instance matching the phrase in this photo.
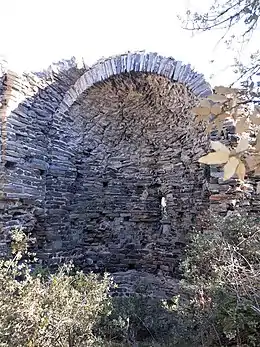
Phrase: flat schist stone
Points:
(153, 63)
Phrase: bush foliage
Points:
(38, 309)
(219, 301)
(218, 305)
(222, 278)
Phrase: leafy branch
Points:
(239, 106)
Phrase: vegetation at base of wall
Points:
(140, 320)
(219, 301)
(218, 305)
(38, 309)
(222, 279)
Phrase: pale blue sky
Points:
(35, 33)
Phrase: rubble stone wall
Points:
(28, 105)
(101, 166)
(127, 175)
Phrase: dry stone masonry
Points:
(100, 164)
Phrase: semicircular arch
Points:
(142, 62)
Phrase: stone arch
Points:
(101, 165)
(151, 63)
(124, 185)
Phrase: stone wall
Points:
(28, 105)
(126, 148)
(101, 166)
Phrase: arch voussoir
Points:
(152, 63)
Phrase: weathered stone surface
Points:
(137, 62)
(133, 142)
(100, 164)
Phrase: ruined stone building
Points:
(100, 164)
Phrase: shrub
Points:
(218, 305)
(39, 310)
(222, 278)
(219, 301)
(141, 321)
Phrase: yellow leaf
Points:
(205, 103)
(242, 125)
(217, 98)
(241, 171)
(201, 111)
(218, 146)
(230, 167)
(216, 109)
(242, 145)
(215, 158)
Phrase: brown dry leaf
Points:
(205, 103)
(218, 157)
(217, 98)
(218, 146)
(241, 171)
(201, 111)
(216, 109)
(225, 90)
(230, 168)
(242, 145)
(242, 125)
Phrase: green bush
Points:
(135, 318)
(222, 279)
(38, 309)
(218, 304)
(219, 301)
(138, 319)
